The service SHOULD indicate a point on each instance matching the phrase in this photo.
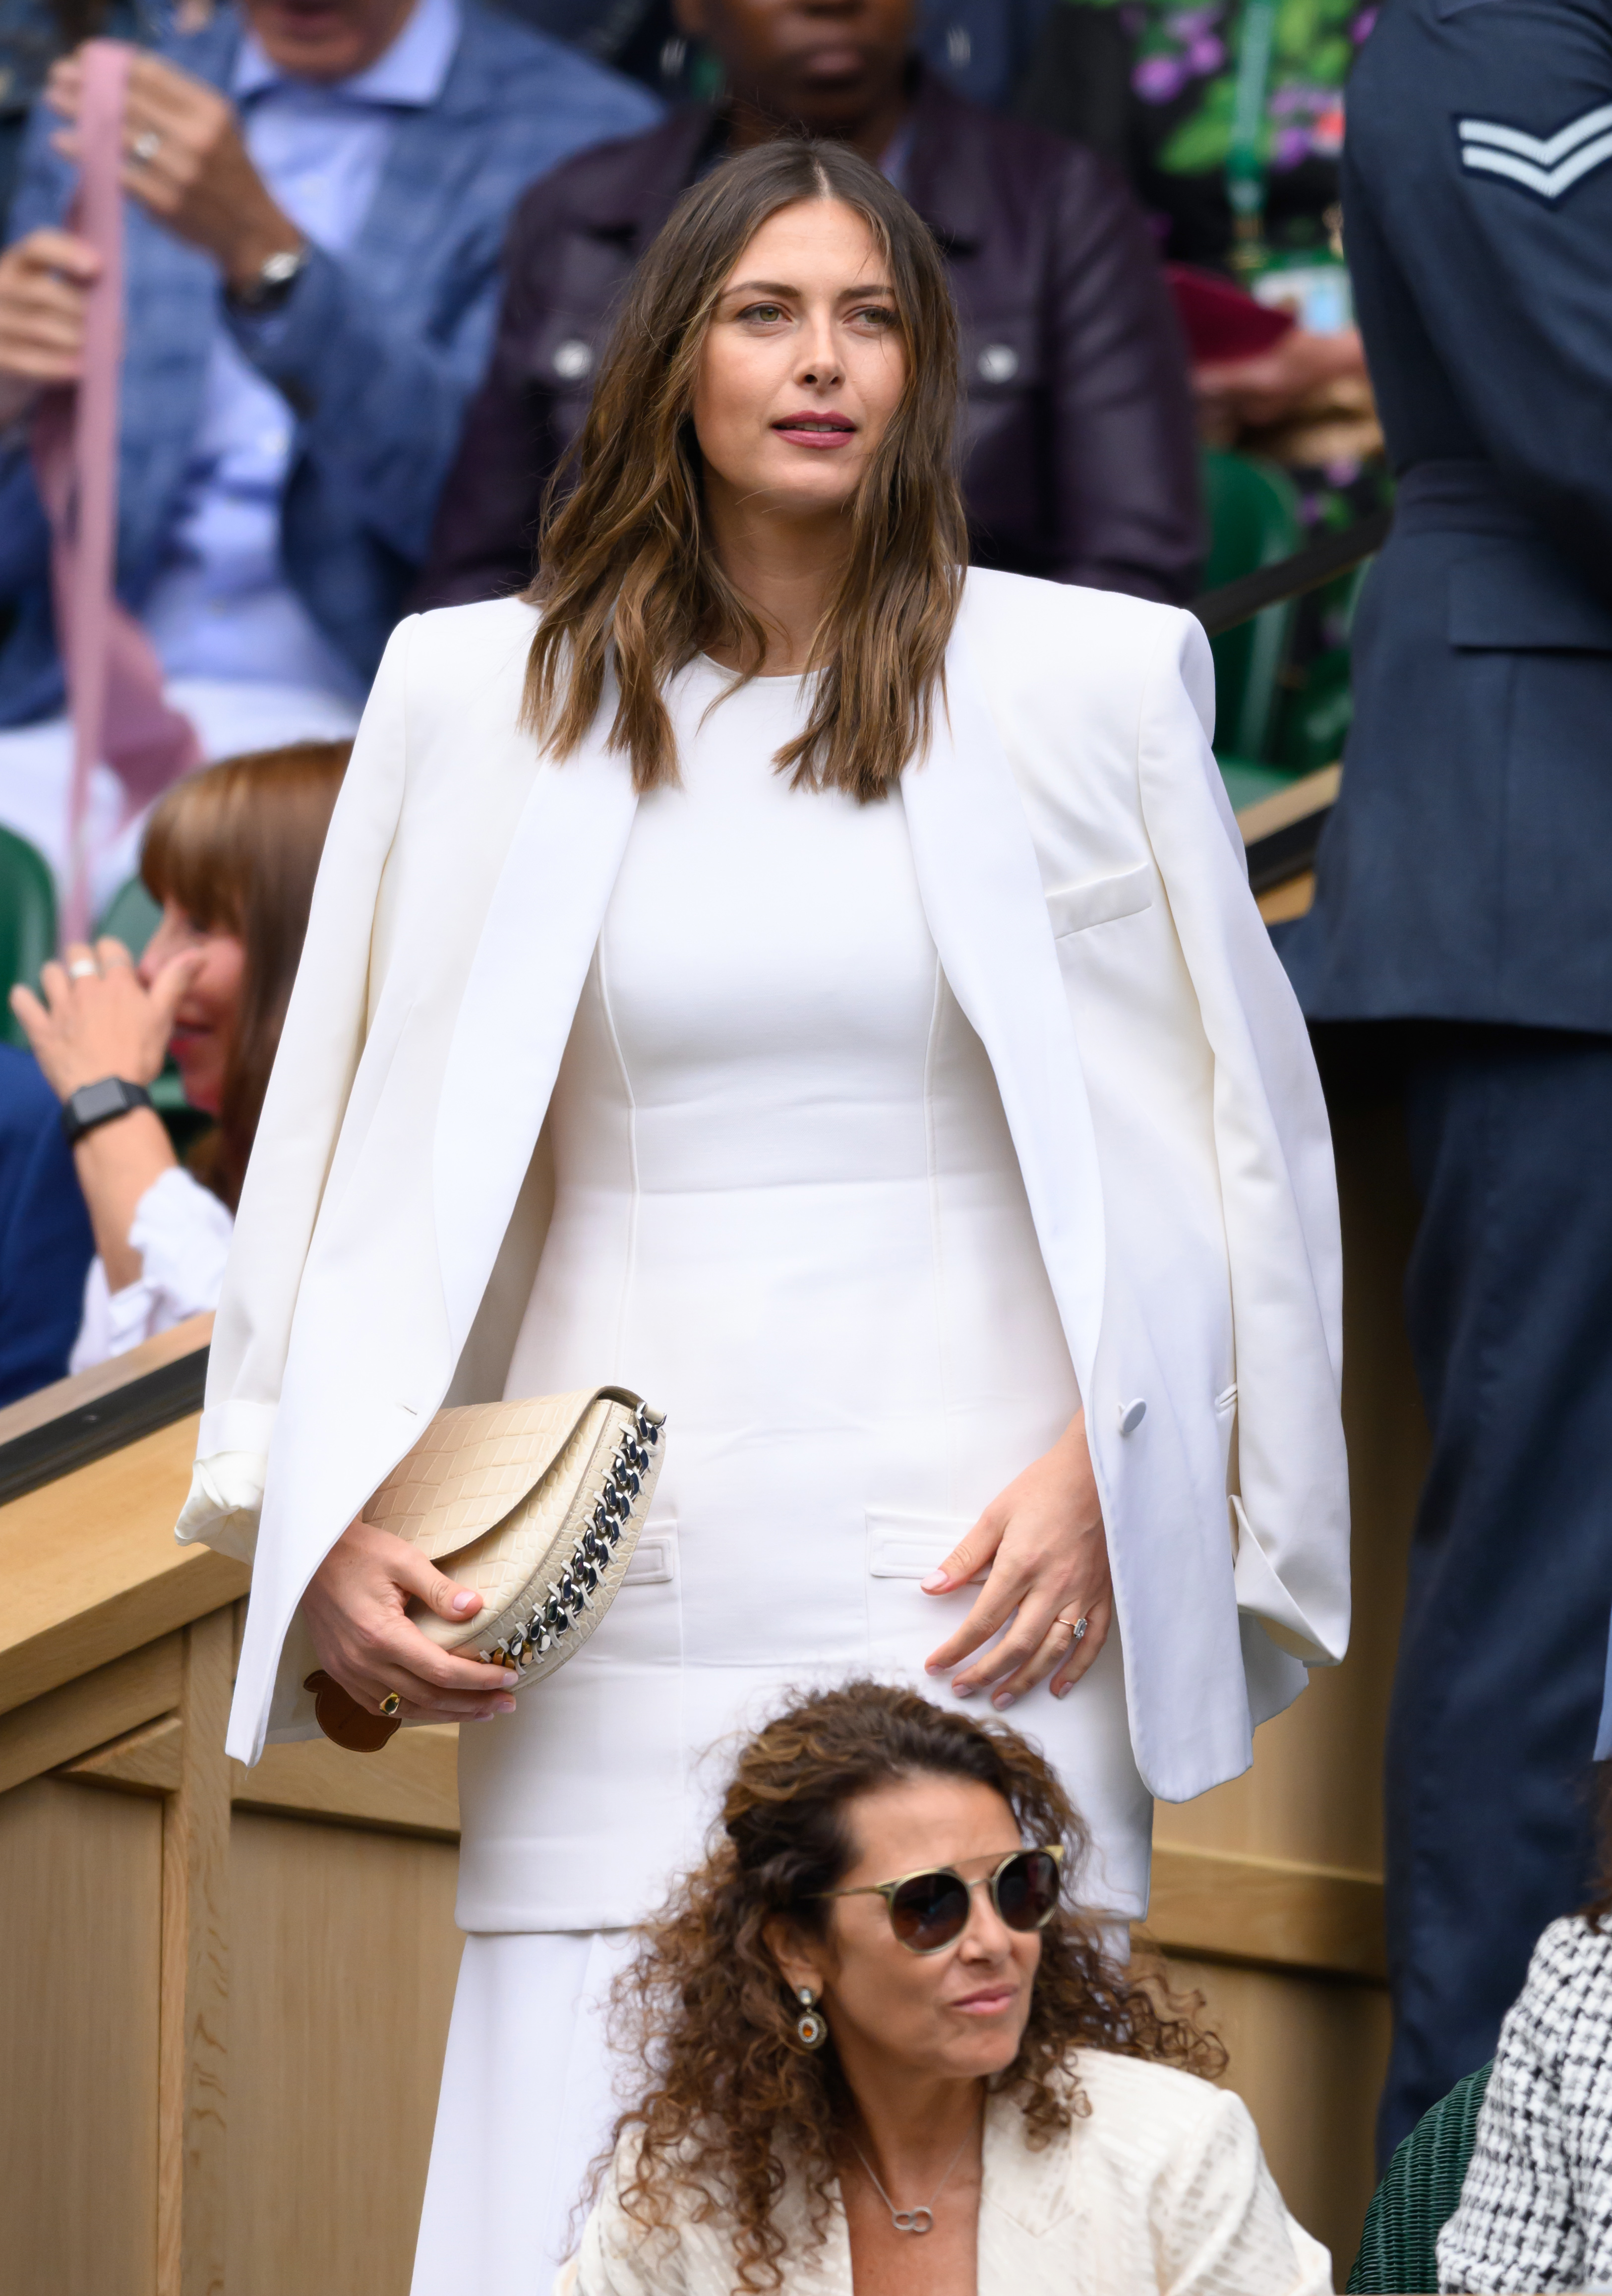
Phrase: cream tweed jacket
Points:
(1161, 2187)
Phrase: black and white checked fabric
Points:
(1536, 2207)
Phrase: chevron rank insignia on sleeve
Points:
(1546, 164)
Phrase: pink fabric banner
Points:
(114, 680)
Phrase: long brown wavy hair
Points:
(734, 2097)
(238, 846)
(626, 570)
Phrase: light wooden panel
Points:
(80, 1897)
(150, 1760)
(91, 1569)
(192, 2065)
(343, 1957)
(1268, 1912)
(411, 1785)
(79, 1715)
(1295, 897)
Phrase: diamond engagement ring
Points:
(1078, 1628)
(83, 968)
(146, 145)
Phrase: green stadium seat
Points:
(1254, 520)
(132, 916)
(1419, 2195)
(28, 923)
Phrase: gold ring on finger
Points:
(146, 146)
(390, 1703)
(1079, 1627)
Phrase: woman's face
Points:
(204, 1024)
(802, 366)
(959, 2013)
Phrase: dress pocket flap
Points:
(1100, 900)
(910, 1546)
(1519, 597)
(654, 1558)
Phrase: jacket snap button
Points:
(572, 359)
(999, 362)
(1130, 1415)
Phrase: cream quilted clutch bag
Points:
(537, 1506)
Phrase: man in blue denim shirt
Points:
(317, 199)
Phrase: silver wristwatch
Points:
(272, 282)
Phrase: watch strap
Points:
(100, 1103)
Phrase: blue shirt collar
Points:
(410, 72)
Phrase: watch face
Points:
(110, 1097)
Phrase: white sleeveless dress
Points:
(789, 1213)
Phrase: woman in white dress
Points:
(820, 991)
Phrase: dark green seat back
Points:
(27, 924)
(132, 916)
(1254, 520)
(1418, 2197)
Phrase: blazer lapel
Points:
(1029, 2218)
(981, 891)
(520, 997)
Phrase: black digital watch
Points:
(99, 1104)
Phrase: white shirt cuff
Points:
(225, 1502)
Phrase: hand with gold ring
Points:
(187, 163)
(1044, 1610)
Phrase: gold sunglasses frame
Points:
(887, 1890)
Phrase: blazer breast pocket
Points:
(1100, 900)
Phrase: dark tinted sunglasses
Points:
(929, 1911)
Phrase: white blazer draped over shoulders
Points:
(1085, 885)
(1160, 2190)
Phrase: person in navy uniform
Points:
(1463, 913)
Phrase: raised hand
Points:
(185, 163)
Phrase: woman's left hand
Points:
(1044, 1540)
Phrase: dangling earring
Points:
(810, 2027)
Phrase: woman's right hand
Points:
(44, 280)
(356, 1607)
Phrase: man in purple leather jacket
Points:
(1078, 456)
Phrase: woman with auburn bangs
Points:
(775, 970)
(887, 2054)
(231, 854)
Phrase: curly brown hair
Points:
(704, 2006)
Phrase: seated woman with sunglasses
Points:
(887, 2053)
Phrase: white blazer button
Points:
(1130, 1415)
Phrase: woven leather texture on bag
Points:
(473, 1464)
(537, 1506)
